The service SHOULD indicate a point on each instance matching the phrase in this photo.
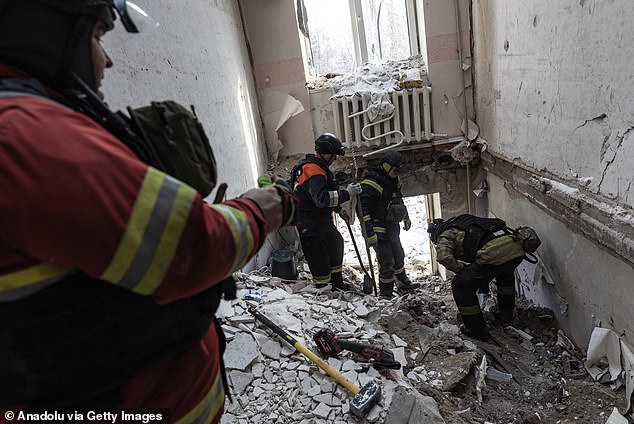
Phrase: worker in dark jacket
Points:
(317, 189)
(383, 211)
(494, 256)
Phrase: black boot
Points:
(342, 285)
(481, 333)
(338, 283)
(386, 289)
(404, 285)
(474, 325)
(504, 317)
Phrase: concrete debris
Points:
(271, 382)
(410, 407)
(241, 352)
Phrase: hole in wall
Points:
(506, 45)
(415, 242)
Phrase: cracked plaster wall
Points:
(555, 88)
(196, 56)
(555, 93)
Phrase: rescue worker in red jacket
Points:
(383, 211)
(109, 268)
(319, 196)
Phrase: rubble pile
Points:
(528, 373)
(271, 382)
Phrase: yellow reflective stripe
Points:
(379, 229)
(152, 235)
(399, 271)
(366, 217)
(335, 269)
(386, 280)
(32, 275)
(470, 310)
(241, 231)
(373, 185)
(169, 241)
(321, 278)
(207, 408)
(131, 240)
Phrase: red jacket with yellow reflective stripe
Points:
(75, 199)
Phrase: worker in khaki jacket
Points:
(478, 255)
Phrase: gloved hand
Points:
(290, 201)
(354, 189)
(407, 224)
(344, 215)
(373, 240)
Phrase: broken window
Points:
(345, 34)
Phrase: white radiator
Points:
(410, 122)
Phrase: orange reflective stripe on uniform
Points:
(241, 231)
(152, 235)
(309, 170)
(208, 408)
(18, 284)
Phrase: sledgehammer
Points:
(364, 398)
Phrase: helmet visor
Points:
(134, 18)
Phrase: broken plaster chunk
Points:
(322, 411)
(374, 414)
(289, 376)
(241, 352)
(240, 380)
(324, 398)
(314, 391)
(361, 311)
(349, 365)
(257, 370)
(398, 342)
(271, 349)
(327, 386)
(399, 356)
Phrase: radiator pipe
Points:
(464, 98)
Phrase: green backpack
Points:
(178, 141)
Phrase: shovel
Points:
(369, 282)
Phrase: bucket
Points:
(283, 264)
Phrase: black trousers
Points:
(391, 258)
(478, 276)
(324, 254)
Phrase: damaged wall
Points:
(554, 96)
(273, 37)
(196, 56)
